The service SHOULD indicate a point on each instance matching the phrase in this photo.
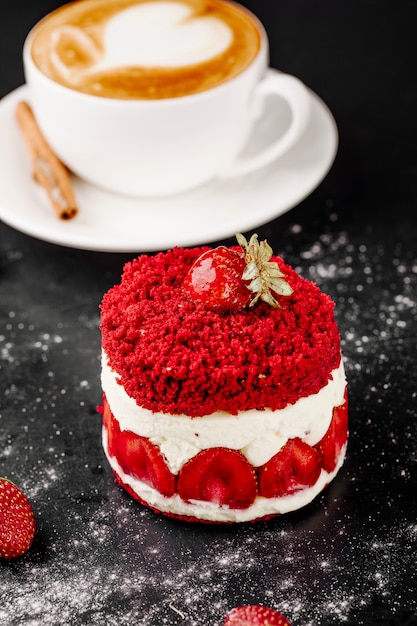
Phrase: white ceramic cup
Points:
(161, 147)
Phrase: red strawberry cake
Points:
(224, 392)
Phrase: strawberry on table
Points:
(227, 278)
(17, 521)
(255, 615)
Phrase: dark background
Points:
(349, 558)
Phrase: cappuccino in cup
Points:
(156, 97)
(145, 49)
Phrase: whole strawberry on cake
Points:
(224, 392)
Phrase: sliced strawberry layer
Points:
(330, 445)
(224, 476)
(219, 475)
(137, 456)
(295, 466)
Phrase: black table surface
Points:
(98, 557)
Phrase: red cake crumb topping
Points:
(175, 356)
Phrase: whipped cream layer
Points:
(259, 435)
(209, 511)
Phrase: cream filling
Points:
(210, 511)
(259, 435)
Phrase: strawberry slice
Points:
(255, 615)
(218, 475)
(295, 466)
(330, 445)
(17, 521)
(140, 458)
(112, 426)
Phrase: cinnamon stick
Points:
(48, 170)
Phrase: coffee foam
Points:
(113, 48)
(164, 34)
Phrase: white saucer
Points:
(109, 222)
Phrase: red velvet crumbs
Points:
(175, 356)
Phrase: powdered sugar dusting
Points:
(324, 582)
(381, 302)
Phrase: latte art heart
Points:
(163, 34)
(145, 48)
